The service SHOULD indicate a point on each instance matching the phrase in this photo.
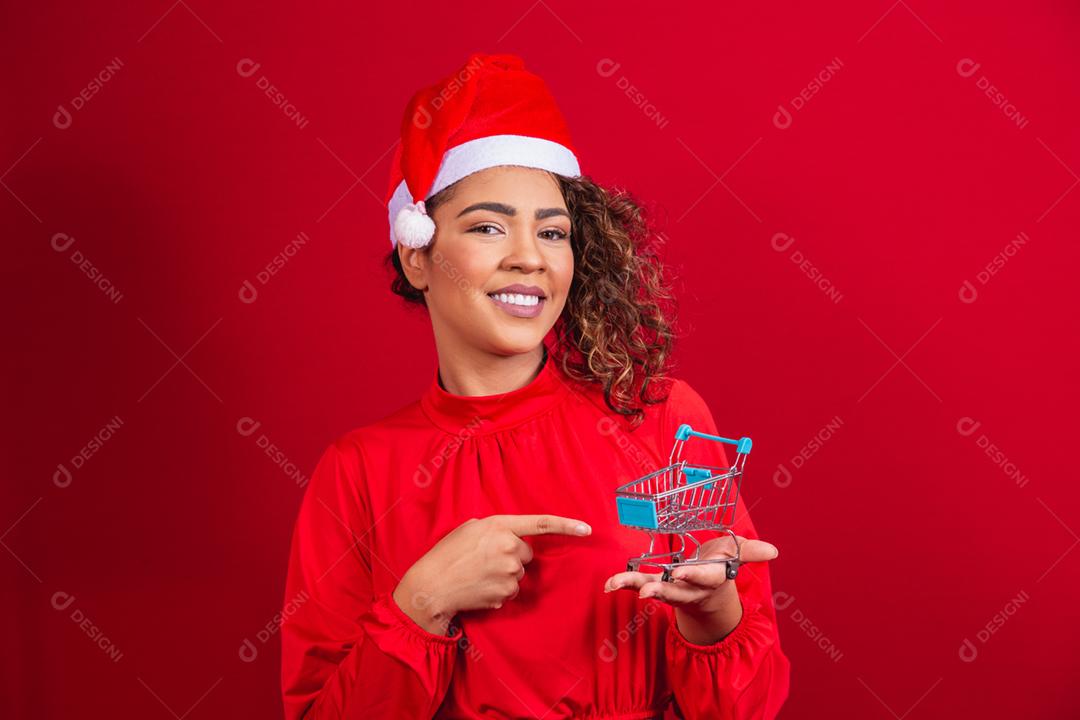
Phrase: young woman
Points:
(462, 557)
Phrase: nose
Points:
(523, 252)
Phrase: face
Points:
(503, 226)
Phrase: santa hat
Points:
(490, 112)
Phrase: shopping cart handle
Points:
(742, 445)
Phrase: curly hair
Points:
(618, 326)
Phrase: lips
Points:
(522, 306)
(519, 289)
(523, 301)
(517, 299)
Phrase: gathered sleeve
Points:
(348, 652)
(746, 674)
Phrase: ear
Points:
(414, 263)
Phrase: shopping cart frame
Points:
(682, 498)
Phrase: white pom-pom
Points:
(413, 227)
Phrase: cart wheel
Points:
(732, 569)
(666, 576)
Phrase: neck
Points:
(470, 372)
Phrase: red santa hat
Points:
(490, 112)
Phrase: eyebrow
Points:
(504, 209)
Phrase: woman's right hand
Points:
(477, 566)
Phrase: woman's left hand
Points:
(706, 603)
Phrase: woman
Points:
(460, 558)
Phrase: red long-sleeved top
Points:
(382, 495)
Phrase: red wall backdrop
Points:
(873, 210)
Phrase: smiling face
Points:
(501, 227)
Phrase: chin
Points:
(515, 336)
(516, 341)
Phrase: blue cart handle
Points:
(742, 445)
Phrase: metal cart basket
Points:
(682, 498)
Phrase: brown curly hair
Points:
(618, 326)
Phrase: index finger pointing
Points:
(525, 525)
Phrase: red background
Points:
(899, 180)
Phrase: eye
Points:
(481, 229)
(554, 234)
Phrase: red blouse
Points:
(382, 495)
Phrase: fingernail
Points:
(582, 529)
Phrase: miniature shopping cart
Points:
(682, 498)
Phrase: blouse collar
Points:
(482, 414)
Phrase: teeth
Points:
(517, 299)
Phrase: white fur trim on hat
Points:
(473, 156)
